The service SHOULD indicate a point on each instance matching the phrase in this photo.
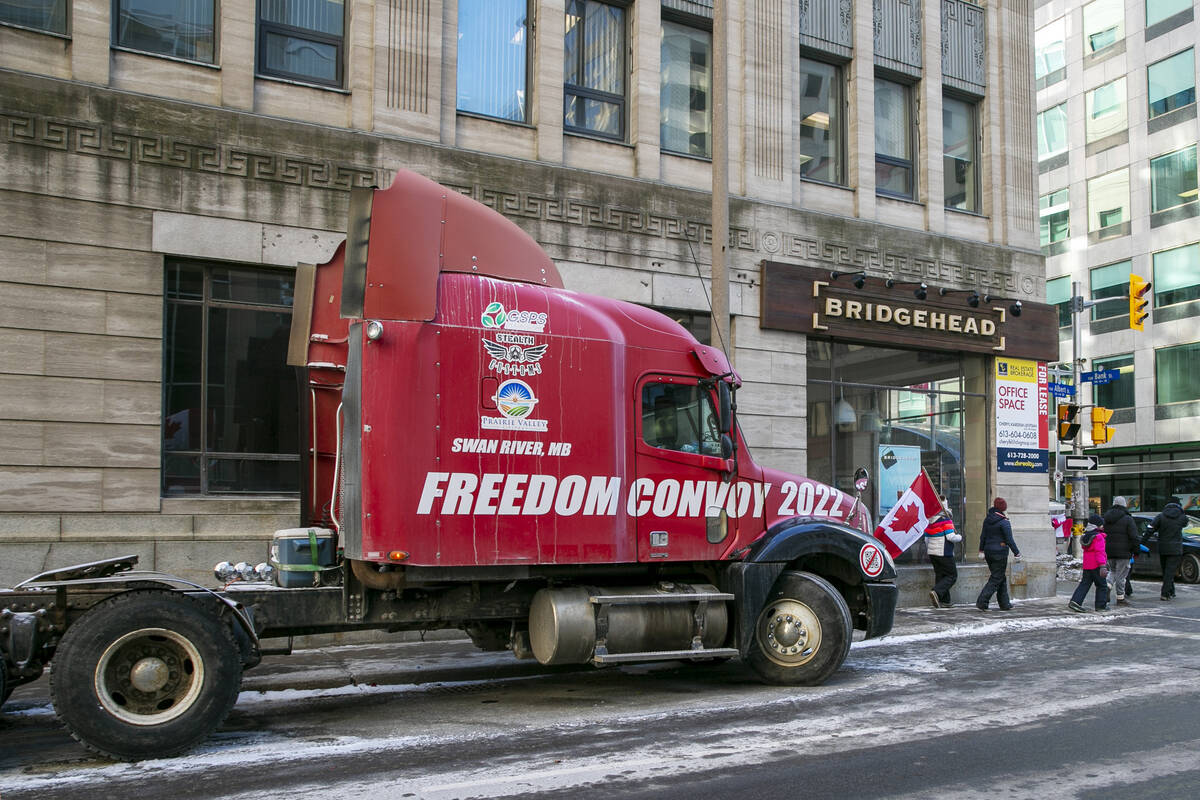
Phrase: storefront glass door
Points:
(897, 412)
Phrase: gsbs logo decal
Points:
(870, 559)
(496, 317)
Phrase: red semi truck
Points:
(556, 474)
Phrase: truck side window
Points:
(679, 417)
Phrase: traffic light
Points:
(1101, 433)
(1139, 287)
(1067, 426)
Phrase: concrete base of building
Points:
(1025, 582)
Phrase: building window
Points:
(685, 91)
(1176, 378)
(1108, 200)
(594, 83)
(893, 139)
(179, 28)
(1055, 216)
(493, 57)
(42, 15)
(1177, 275)
(1110, 281)
(1173, 179)
(1158, 10)
(1052, 131)
(1051, 53)
(960, 153)
(1103, 25)
(230, 419)
(1058, 294)
(1118, 393)
(822, 122)
(301, 40)
(1105, 108)
(1172, 83)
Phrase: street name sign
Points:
(1082, 462)
(1100, 376)
(1060, 389)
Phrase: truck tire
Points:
(145, 674)
(489, 638)
(803, 632)
(5, 690)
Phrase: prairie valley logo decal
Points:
(494, 316)
(516, 401)
(510, 356)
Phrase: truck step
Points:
(638, 599)
(664, 655)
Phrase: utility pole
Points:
(1077, 481)
(720, 183)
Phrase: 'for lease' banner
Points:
(1022, 409)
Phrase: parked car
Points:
(1147, 564)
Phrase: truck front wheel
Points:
(146, 674)
(803, 632)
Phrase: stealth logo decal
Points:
(513, 359)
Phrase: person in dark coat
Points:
(1121, 543)
(995, 543)
(1169, 526)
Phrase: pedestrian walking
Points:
(995, 543)
(940, 537)
(1169, 527)
(1095, 567)
(1121, 541)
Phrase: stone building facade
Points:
(159, 171)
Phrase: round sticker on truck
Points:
(870, 558)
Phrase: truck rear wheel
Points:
(146, 674)
(803, 632)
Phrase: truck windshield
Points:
(679, 417)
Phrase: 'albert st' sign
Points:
(808, 300)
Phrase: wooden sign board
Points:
(808, 300)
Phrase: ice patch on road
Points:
(994, 628)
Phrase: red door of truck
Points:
(684, 501)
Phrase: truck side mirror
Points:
(861, 478)
(726, 446)
(724, 408)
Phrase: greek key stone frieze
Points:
(103, 141)
(774, 244)
(98, 140)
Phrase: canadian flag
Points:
(908, 519)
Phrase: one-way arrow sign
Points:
(1082, 462)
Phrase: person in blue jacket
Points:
(995, 543)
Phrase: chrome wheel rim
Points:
(789, 632)
(149, 676)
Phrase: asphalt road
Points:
(1035, 703)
